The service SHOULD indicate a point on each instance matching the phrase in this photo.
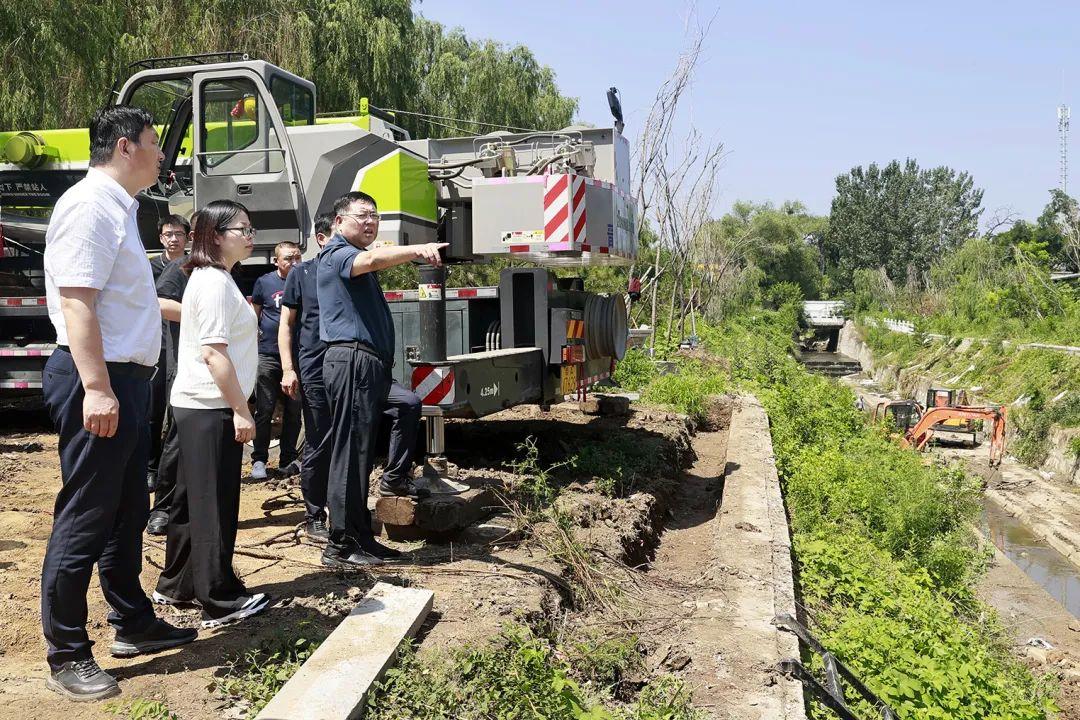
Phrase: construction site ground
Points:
(662, 543)
(1050, 511)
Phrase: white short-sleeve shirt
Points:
(93, 242)
(213, 312)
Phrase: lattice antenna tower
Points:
(1063, 132)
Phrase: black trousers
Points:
(357, 384)
(169, 464)
(403, 408)
(267, 392)
(100, 512)
(204, 513)
(159, 403)
(315, 470)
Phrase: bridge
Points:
(824, 313)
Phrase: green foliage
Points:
(520, 675)
(256, 676)
(882, 540)
(618, 462)
(888, 622)
(685, 391)
(348, 48)
(141, 709)
(899, 217)
(536, 485)
(635, 370)
(600, 659)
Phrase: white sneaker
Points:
(258, 470)
(254, 605)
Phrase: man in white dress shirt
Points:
(96, 385)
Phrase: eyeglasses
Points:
(361, 217)
(244, 231)
(175, 233)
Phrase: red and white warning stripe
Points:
(564, 211)
(434, 385)
(23, 301)
(451, 294)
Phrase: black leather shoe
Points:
(290, 470)
(317, 531)
(82, 681)
(373, 547)
(158, 523)
(403, 489)
(159, 636)
(348, 557)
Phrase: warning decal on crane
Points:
(434, 385)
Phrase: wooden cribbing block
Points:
(333, 683)
(438, 514)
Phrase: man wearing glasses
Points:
(355, 323)
(266, 297)
(173, 232)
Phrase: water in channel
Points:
(1046, 566)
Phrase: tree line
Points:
(61, 59)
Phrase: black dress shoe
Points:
(159, 636)
(373, 547)
(317, 531)
(158, 523)
(82, 681)
(407, 488)
(348, 557)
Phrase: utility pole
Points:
(1063, 132)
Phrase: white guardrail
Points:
(907, 327)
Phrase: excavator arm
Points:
(922, 432)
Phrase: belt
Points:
(362, 347)
(128, 369)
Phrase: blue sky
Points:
(802, 91)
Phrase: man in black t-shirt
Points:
(266, 298)
(170, 284)
(173, 232)
(301, 362)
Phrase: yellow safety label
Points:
(569, 379)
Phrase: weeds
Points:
(141, 709)
(254, 678)
(618, 463)
(521, 675)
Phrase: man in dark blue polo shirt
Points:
(300, 307)
(355, 323)
(266, 298)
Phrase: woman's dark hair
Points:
(209, 221)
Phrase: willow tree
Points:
(349, 48)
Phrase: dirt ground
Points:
(480, 579)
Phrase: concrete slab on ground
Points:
(754, 544)
(333, 683)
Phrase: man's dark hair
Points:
(345, 201)
(175, 221)
(205, 252)
(111, 123)
(323, 223)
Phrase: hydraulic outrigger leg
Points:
(432, 300)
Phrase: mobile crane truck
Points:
(243, 129)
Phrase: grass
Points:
(521, 674)
(256, 676)
(141, 709)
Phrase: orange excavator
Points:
(922, 432)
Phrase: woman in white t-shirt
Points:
(216, 364)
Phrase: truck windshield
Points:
(162, 98)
